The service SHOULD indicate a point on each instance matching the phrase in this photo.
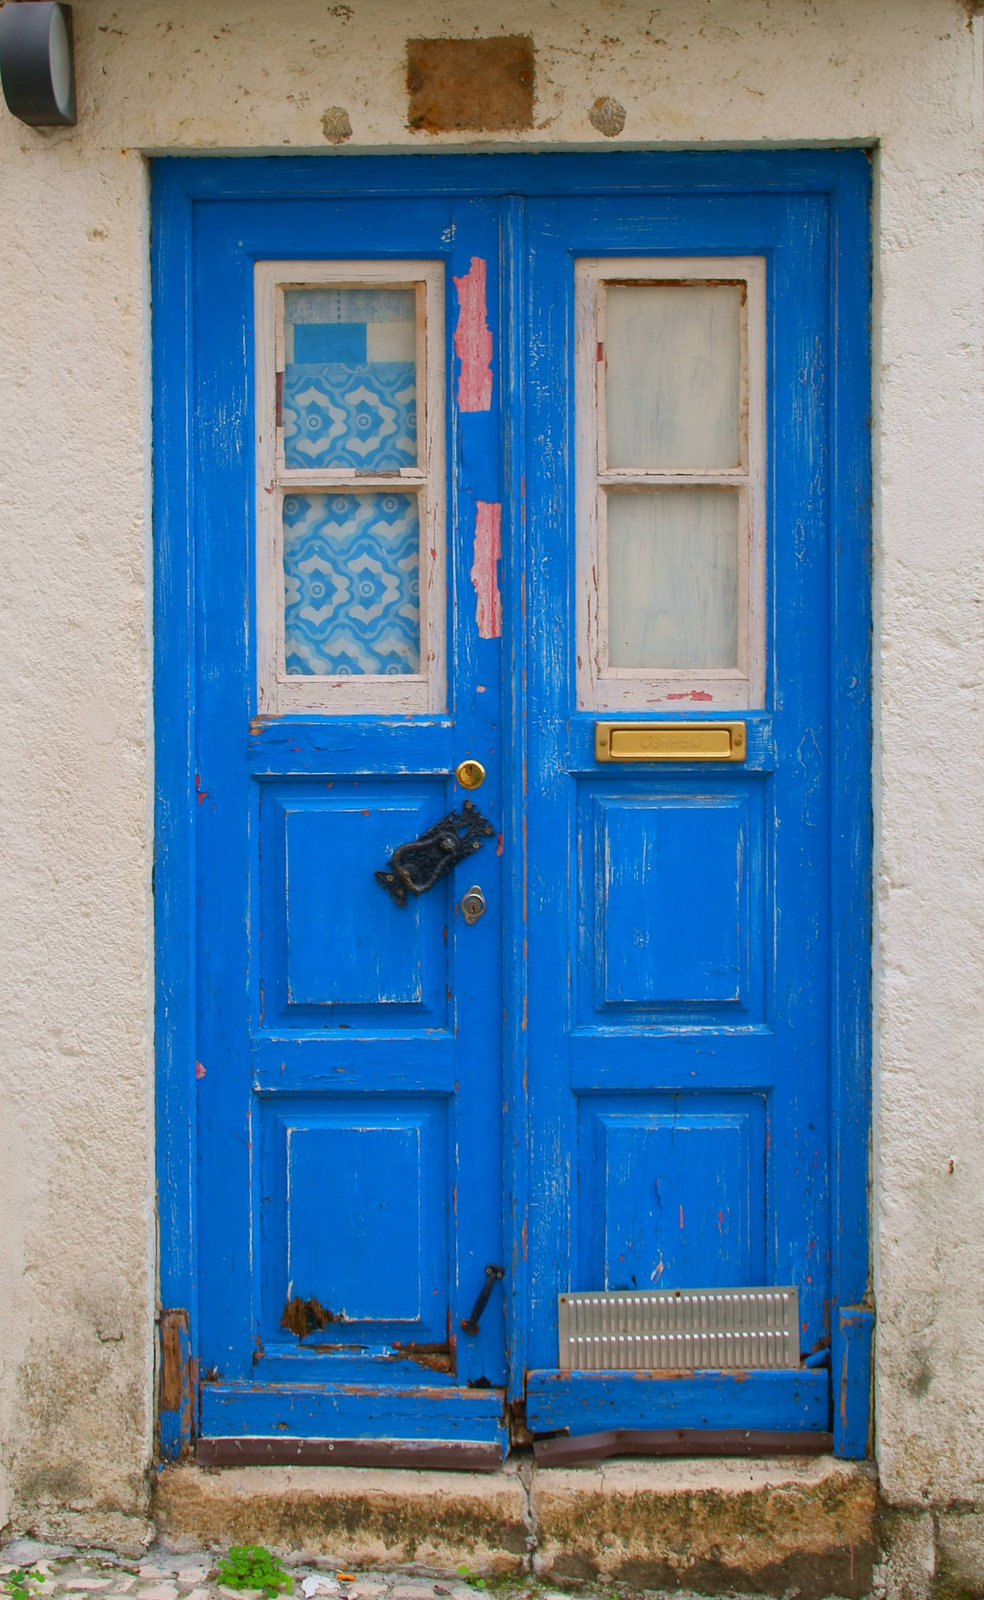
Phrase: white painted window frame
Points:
(601, 687)
(280, 693)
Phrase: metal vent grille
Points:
(679, 1328)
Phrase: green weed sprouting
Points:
(17, 1584)
(250, 1566)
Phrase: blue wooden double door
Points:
(510, 511)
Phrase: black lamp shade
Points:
(37, 66)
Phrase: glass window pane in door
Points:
(673, 578)
(351, 584)
(350, 378)
(673, 376)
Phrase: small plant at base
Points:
(251, 1566)
(470, 1578)
(17, 1584)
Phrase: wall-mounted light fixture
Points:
(37, 64)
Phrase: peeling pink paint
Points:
(473, 341)
(488, 549)
(691, 694)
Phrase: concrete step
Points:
(716, 1526)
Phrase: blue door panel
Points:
(345, 1410)
(656, 863)
(702, 908)
(645, 1065)
(364, 1180)
(332, 949)
(343, 1214)
(672, 907)
(672, 1191)
(588, 1402)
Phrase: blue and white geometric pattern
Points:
(363, 417)
(350, 394)
(351, 584)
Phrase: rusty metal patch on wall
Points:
(457, 84)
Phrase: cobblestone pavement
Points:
(62, 1573)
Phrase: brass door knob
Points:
(470, 774)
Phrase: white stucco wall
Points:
(76, 1184)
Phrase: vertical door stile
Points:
(516, 636)
(474, 286)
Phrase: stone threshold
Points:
(806, 1524)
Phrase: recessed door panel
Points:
(334, 946)
(673, 1193)
(673, 898)
(354, 1233)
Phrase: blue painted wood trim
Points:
(589, 1402)
(515, 1039)
(175, 1421)
(568, 172)
(851, 824)
(292, 746)
(851, 1363)
(335, 1411)
(174, 899)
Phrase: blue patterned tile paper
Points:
(350, 393)
(351, 584)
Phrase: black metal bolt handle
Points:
(492, 1276)
(416, 866)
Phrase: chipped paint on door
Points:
(638, 1066)
(472, 340)
(484, 572)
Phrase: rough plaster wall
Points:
(75, 1185)
(75, 1164)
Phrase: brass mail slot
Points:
(670, 741)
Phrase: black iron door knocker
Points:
(417, 865)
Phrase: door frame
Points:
(843, 177)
